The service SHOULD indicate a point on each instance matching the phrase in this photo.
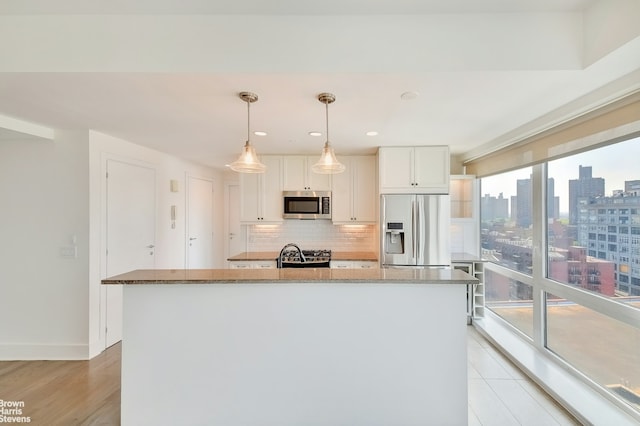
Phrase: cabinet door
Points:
(294, 173)
(250, 194)
(271, 200)
(341, 194)
(240, 264)
(366, 264)
(264, 264)
(431, 169)
(364, 189)
(341, 264)
(261, 193)
(318, 181)
(396, 168)
(298, 176)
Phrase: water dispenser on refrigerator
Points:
(394, 236)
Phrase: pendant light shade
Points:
(248, 161)
(328, 163)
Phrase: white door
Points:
(236, 237)
(199, 223)
(131, 223)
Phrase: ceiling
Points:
(166, 74)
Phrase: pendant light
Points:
(248, 161)
(328, 163)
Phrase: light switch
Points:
(173, 184)
(69, 252)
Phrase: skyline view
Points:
(613, 167)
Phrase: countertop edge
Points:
(302, 281)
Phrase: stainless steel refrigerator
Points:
(415, 230)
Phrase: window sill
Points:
(579, 398)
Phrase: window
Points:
(602, 348)
(508, 243)
(510, 299)
(599, 179)
(592, 254)
(508, 240)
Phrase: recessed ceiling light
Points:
(372, 133)
(315, 133)
(407, 96)
(259, 133)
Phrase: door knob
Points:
(192, 238)
(150, 246)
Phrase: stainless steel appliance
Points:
(415, 230)
(307, 204)
(291, 256)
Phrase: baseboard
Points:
(96, 348)
(37, 352)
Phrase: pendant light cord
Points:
(248, 121)
(326, 106)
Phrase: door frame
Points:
(104, 159)
(188, 176)
(226, 230)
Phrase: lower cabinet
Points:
(253, 264)
(353, 264)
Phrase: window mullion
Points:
(539, 264)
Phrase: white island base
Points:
(294, 354)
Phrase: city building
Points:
(494, 208)
(574, 267)
(523, 202)
(609, 227)
(584, 186)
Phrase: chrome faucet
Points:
(279, 262)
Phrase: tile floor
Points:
(500, 394)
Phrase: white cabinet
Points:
(261, 193)
(298, 176)
(253, 264)
(354, 192)
(465, 213)
(353, 264)
(414, 169)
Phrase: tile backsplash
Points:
(312, 234)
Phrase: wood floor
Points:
(65, 393)
(74, 393)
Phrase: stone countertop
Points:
(335, 255)
(293, 275)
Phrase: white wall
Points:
(53, 200)
(170, 243)
(608, 25)
(178, 43)
(45, 204)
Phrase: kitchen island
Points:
(294, 347)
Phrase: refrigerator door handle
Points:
(413, 230)
(418, 231)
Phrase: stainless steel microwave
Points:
(307, 204)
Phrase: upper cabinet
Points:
(463, 196)
(465, 214)
(414, 169)
(354, 193)
(298, 176)
(261, 193)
